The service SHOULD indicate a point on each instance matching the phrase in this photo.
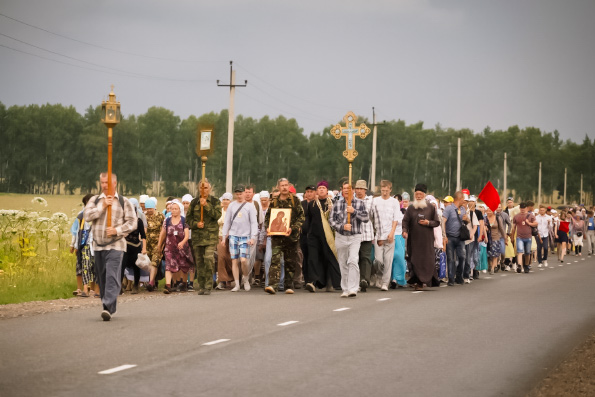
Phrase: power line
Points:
(126, 73)
(101, 47)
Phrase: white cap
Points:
(472, 198)
(143, 198)
(187, 197)
(265, 194)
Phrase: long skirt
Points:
(483, 257)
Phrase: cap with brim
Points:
(472, 198)
(239, 189)
(361, 184)
(310, 187)
(448, 199)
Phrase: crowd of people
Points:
(345, 240)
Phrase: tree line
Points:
(52, 149)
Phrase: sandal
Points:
(76, 292)
(83, 295)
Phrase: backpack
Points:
(120, 200)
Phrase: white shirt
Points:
(389, 211)
(543, 224)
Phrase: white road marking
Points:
(117, 369)
(583, 259)
(215, 342)
(442, 286)
(341, 309)
(503, 275)
(541, 269)
(575, 261)
(487, 278)
(417, 292)
(560, 265)
(287, 323)
(382, 299)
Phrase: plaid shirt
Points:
(338, 216)
(123, 219)
(371, 229)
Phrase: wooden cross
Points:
(351, 130)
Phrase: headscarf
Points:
(139, 211)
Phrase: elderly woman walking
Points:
(178, 257)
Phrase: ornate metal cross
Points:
(351, 130)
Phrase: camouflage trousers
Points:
(204, 256)
(289, 250)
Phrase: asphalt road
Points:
(498, 336)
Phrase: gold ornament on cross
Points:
(351, 130)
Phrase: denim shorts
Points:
(238, 247)
(523, 245)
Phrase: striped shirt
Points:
(123, 219)
(338, 216)
(370, 230)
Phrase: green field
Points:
(35, 262)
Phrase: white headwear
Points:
(143, 198)
(187, 198)
(154, 199)
(226, 196)
(180, 205)
(265, 194)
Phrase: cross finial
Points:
(112, 88)
(351, 130)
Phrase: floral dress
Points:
(176, 259)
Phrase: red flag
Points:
(489, 195)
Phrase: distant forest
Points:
(52, 149)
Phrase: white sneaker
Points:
(545, 263)
(246, 286)
(514, 267)
(345, 294)
(484, 271)
(384, 288)
(236, 288)
(467, 281)
(507, 269)
(540, 264)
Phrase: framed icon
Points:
(279, 221)
(204, 140)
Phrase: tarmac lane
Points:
(497, 336)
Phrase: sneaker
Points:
(191, 286)
(289, 291)
(527, 269)
(106, 316)
(484, 271)
(519, 269)
(514, 267)
(545, 263)
(236, 288)
(393, 284)
(150, 287)
(507, 268)
(467, 281)
(168, 290)
(363, 285)
(134, 290)
(450, 284)
(540, 264)
(269, 290)
(182, 287)
(310, 287)
(246, 286)
(201, 291)
(345, 294)
(384, 287)
(220, 286)
(352, 294)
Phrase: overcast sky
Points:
(463, 64)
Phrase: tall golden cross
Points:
(351, 130)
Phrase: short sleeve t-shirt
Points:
(453, 225)
(523, 229)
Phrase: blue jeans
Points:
(472, 256)
(399, 264)
(460, 270)
(268, 255)
(523, 246)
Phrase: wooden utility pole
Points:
(504, 195)
(230, 126)
(374, 140)
(565, 172)
(459, 187)
(539, 188)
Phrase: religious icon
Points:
(205, 140)
(279, 221)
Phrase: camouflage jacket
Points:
(208, 235)
(297, 215)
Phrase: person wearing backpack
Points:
(109, 243)
(522, 223)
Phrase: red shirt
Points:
(522, 227)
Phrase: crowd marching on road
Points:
(345, 240)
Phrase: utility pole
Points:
(374, 139)
(232, 85)
(459, 164)
(539, 188)
(581, 201)
(504, 196)
(565, 172)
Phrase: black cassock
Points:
(420, 245)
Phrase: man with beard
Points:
(322, 255)
(418, 228)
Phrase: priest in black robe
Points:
(418, 228)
